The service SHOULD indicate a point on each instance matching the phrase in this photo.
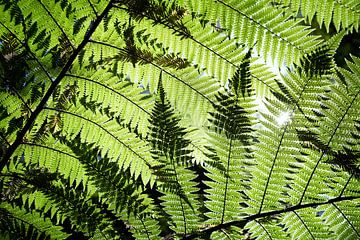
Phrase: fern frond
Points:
(241, 82)
(125, 99)
(112, 183)
(166, 136)
(11, 118)
(146, 228)
(169, 148)
(340, 217)
(278, 140)
(53, 196)
(230, 118)
(265, 229)
(19, 223)
(188, 80)
(340, 105)
(318, 62)
(252, 132)
(17, 79)
(276, 35)
(114, 140)
(73, 204)
(348, 160)
(229, 135)
(54, 156)
(305, 223)
(159, 12)
(342, 14)
(217, 54)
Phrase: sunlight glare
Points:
(283, 118)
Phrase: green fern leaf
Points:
(169, 148)
(19, 223)
(252, 131)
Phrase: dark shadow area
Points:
(350, 45)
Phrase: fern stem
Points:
(327, 145)
(302, 221)
(49, 148)
(226, 234)
(146, 230)
(93, 8)
(346, 184)
(244, 221)
(266, 231)
(52, 87)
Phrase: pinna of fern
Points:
(341, 14)
(175, 181)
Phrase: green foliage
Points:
(341, 14)
(152, 119)
(20, 223)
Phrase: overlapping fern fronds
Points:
(175, 180)
(252, 131)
